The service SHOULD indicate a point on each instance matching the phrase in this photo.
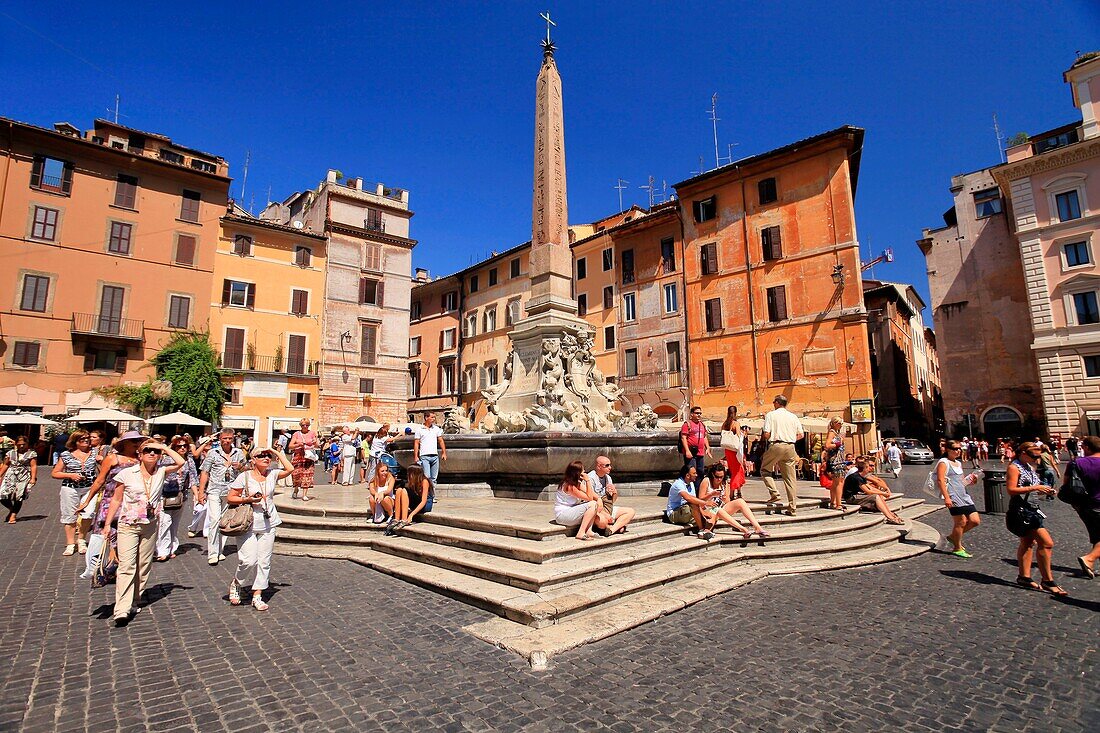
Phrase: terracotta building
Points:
(433, 344)
(990, 384)
(1052, 182)
(109, 238)
(772, 269)
(266, 309)
(365, 340)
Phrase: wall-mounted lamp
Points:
(838, 274)
(345, 337)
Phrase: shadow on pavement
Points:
(31, 517)
(1060, 568)
(1079, 602)
(977, 577)
(151, 595)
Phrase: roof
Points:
(650, 216)
(854, 157)
(158, 136)
(249, 220)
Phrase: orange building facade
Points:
(109, 239)
(433, 344)
(773, 287)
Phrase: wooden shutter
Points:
(378, 293)
(716, 376)
(110, 309)
(299, 303)
(185, 251)
(120, 361)
(36, 171)
(126, 191)
(368, 346)
(67, 179)
(251, 298)
(296, 355)
(89, 360)
(713, 312)
(777, 303)
(781, 366)
(773, 243)
(233, 355)
(227, 286)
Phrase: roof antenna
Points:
(714, 118)
(1000, 137)
(244, 180)
(116, 108)
(701, 169)
(621, 185)
(651, 188)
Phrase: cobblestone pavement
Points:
(930, 644)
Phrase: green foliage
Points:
(1018, 139)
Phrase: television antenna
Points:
(714, 119)
(244, 180)
(620, 185)
(1000, 138)
(650, 187)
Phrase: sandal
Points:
(258, 603)
(762, 534)
(234, 594)
(1027, 583)
(1086, 568)
(69, 550)
(584, 538)
(1052, 588)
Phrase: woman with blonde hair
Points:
(835, 464)
(381, 493)
(76, 467)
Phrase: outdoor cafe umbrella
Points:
(105, 414)
(177, 418)
(25, 419)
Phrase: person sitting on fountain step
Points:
(381, 493)
(415, 499)
(869, 492)
(610, 519)
(575, 503)
(724, 502)
(684, 507)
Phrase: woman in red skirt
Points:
(733, 440)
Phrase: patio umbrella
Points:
(176, 418)
(25, 419)
(106, 414)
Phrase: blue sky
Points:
(439, 97)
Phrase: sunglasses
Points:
(151, 451)
(81, 440)
(263, 457)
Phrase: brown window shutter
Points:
(185, 251)
(89, 361)
(441, 341)
(781, 302)
(251, 300)
(305, 400)
(120, 361)
(296, 354)
(378, 294)
(36, 171)
(67, 179)
(362, 290)
(225, 292)
(777, 242)
(33, 352)
(368, 345)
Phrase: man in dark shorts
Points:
(869, 492)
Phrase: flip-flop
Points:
(1027, 583)
(1085, 567)
(1052, 588)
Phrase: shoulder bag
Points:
(1073, 491)
(237, 519)
(1021, 517)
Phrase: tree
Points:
(189, 364)
(1018, 139)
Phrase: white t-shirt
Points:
(429, 439)
(347, 447)
(783, 426)
(377, 447)
(134, 493)
(598, 486)
(260, 522)
(893, 454)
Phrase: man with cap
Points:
(219, 468)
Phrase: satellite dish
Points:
(298, 224)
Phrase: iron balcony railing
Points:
(652, 380)
(240, 361)
(91, 324)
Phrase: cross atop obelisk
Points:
(547, 45)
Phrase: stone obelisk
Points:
(550, 378)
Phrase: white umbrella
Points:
(25, 419)
(176, 418)
(366, 427)
(105, 414)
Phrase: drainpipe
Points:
(748, 277)
(7, 169)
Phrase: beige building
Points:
(365, 342)
(433, 344)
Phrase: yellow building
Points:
(265, 316)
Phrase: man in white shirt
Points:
(429, 447)
(610, 518)
(782, 429)
(893, 457)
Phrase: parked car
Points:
(914, 451)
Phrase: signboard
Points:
(863, 411)
(264, 387)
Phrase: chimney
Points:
(380, 190)
(422, 275)
(331, 177)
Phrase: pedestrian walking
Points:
(1025, 520)
(349, 448)
(733, 443)
(104, 537)
(893, 458)
(177, 485)
(429, 448)
(76, 468)
(1047, 468)
(334, 458)
(304, 446)
(256, 487)
(219, 469)
(1087, 469)
(197, 527)
(949, 479)
(137, 505)
(695, 443)
(782, 429)
(835, 465)
(18, 474)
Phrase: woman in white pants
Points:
(256, 487)
(175, 491)
(349, 449)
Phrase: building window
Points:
(708, 258)
(987, 202)
(672, 298)
(630, 307)
(185, 250)
(171, 156)
(51, 174)
(492, 374)
(1092, 366)
(513, 268)
(1069, 206)
(630, 363)
(469, 378)
(105, 360)
(414, 382)
(447, 339)
(238, 294)
(469, 324)
(179, 311)
(119, 241)
(414, 346)
(1076, 254)
(767, 190)
(672, 359)
(447, 378)
(126, 192)
(372, 257)
(233, 353)
(582, 304)
(490, 319)
(608, 297)
(781, 366)
(609, 337)
(374, 221)
(26, 354)
(299, 302)
(705, 209)
(295, 354)
(233, 396)
(608, 259)
(189, 206)
(668, 255)
(772, 241)
(370, 291)
(473, 283)
(450, 301)
(1086, 308)
(242, 245)
(368, 344)
(111, 302)
(716, 373)
(511, 312)
(777, 303)
(582, 268)
(414, 311)
(36, 290)
(44, 225)
(492, 277)
(298, 399)
(628, 266)
(303, 256)
(712, 312)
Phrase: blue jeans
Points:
(700, 463)
(430, 464)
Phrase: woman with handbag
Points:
(18, 473)
(836, 467)
(137, 504)
(733, 442)
(76, 467)
(303, 451)
(255, 489)
(1024, 519)
(175, 490)
(1087, 470)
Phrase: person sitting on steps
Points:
(575, 503)
(869, 492)
(727, 502)
(610, 518)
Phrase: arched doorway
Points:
(1001, 421)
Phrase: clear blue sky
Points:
(439, 97)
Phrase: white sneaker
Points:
(212, 561)
(69, 550)
(221, 557)
(81, 546)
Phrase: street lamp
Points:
(838, 274)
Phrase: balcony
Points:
(107, 326)
(652, 381)
(238, 361)
(375, 224)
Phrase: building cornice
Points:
(361, 233)
(1058, 158)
